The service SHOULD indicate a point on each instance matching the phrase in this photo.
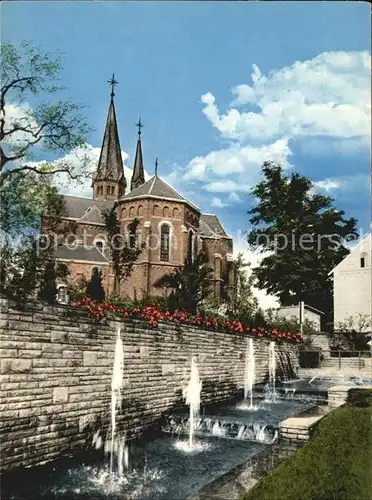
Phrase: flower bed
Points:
(152, 314)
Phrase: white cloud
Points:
(224, 187)
(327, 95)
(327, 184)
(323, 99)
(18, 116)
(89, 157)
(234, 197)
(237, 160)
(218, 203)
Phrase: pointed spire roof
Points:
(110, 164)
(138, 177)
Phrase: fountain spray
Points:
(192, 395)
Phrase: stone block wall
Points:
(56, 368)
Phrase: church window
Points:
(190, 247)
(156, 210)
(97, 270)
(108, 190)
(176, 213)
(363, 260)
(112, 189)
(132, 238)
(166, 212)
(99, 245)
(140, 210)
(164, 242)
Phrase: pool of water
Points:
(158, 470)
(161, 469)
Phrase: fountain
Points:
(117, 445)
(249, 378)
(192, 395)
(249, 372)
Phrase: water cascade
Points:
(226, 428)
(192, 395)
(272, 369)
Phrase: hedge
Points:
(336, 464)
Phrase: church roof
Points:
(86, 209)
(156, 188)
(110, 163)
(80, 252)
(210, 226)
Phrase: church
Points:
(172, 228)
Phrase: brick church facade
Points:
(172, 228)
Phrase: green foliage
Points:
(123, 254)
(243, 301)
(159, 302)
(24, 265)
(95, 290)
(304, 236)
(20, 273)
(189, 285)
(351, 335)
(334, 465)
(29, 74)
(361, 397)
(77, 290)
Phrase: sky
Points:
(221, 87)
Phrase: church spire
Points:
(138, 176)
(109, 180)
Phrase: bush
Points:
(95, 289)
(310, 359)
(334, 465)
(361, 397)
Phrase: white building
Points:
(310, 314)
(352, 283)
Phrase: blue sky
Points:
(220, 86)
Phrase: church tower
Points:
(138, 176)
(109, 182)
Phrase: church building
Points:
(172, 228)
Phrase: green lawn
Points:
(336, 464)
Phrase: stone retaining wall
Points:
(56, 376)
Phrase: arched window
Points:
(96, 270)
(132, 237)
(164, 242)
(190, 247)
(363, 260)
(99, 245)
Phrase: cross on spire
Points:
(112, 82)
(156, 167)
(139, 125)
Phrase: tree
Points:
(124, 249)
(95, 290)
(304, 236)
(190, 284)
(29, 262)
(243, 299)
(57, 126)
